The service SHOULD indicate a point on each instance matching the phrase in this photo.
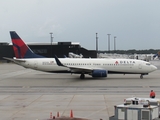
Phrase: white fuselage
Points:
(130, 66)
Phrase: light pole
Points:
(109, 42)
(97, 44)
(51, 42)
(114, 43)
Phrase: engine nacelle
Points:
(99, 73)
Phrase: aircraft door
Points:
(140, 66)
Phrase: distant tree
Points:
(133, 51)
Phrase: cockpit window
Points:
(148, 64)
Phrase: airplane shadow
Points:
(75, 77)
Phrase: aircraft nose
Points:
(154, 68)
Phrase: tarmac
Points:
(27, 94)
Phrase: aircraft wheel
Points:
(141, 76)
(82, 76)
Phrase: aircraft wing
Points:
(14, 60)
(79, 69)
(74, 68)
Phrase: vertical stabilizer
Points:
(21, 50)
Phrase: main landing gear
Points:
(82, 76)
(141, 76)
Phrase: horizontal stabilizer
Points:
(14, 60)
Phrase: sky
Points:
(135, 23)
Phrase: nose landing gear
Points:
(141, 76)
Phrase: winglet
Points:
(58, 61)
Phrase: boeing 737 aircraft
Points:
(94, 67)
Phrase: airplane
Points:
(72, 55)
(97, 67)
(157, 55)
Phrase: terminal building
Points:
(60, 49)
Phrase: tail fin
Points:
(21, 50)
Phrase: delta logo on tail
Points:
(21, 50)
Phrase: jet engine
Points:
(99, 73)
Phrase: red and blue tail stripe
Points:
(22, 50)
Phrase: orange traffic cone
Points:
(57, 114)
(71, 114)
